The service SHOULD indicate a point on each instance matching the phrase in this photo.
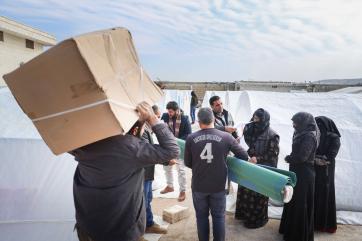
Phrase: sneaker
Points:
(155, 228)
(167, 190)
(181, 197)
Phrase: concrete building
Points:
(201, 87)
(18, 44)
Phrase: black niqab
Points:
(258, 127)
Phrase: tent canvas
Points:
(182, 97)
(36, 196)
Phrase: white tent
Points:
(36, 199)
(182, 97)
(349, 90)
(344, 109)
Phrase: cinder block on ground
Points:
(175, 213)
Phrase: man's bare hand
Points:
(230, 129)
(253, 160)
(146, 113)
(172, 162)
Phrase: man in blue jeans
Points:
(151, 226)
(205, 153)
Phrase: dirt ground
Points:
(235, 231)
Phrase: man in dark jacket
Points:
(223, 119)
(223, 122)
(151, 226)
(180, 126)
(108, 181)
(297, 223)
(205, 153)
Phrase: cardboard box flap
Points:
(114, 63)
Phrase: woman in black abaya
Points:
(297, 223)
(325, 200)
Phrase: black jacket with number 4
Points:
(205, 153)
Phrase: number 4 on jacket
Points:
(206, 153)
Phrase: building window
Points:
(29, 44)
(1, 36)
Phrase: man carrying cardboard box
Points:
(81, 95)
(108, 181)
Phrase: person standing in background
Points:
(325, 218)
(223, 122)
(223, 119)
(180, 126)
(193, 104)
(151, 226)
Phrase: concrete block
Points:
(175, 213)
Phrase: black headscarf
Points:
(264, 119)
(304, 122)
(257, 128)
(326, 124)
(326, 127)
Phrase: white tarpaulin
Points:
(344, 109)
(182, 97)
(36, 199)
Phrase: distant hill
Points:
(339, 81)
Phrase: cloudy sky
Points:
(217, 40)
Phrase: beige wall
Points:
(13, 52)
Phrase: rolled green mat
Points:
(291, 175)
(265, 180)
(259, 179)
(181, 144)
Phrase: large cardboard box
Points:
(84, 89)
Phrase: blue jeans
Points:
(148, 199)
(214, 203)
(192, 113)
